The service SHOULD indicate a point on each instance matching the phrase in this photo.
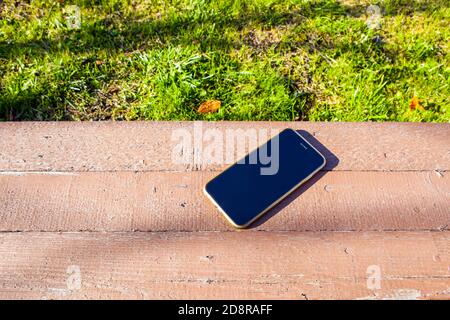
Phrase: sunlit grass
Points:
(263, 59)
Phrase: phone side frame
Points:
(276, 201)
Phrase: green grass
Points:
(264, 59)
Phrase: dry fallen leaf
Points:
(114, 89)
(209, 106)
(99, 62)
(415, 104)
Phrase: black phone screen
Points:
(249, 188)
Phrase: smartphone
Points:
(257, 182)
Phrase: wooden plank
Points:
(161, 201)
(248, 265)
(120, 177)
(148, 146)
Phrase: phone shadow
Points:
(332, 162)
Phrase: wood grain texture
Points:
(148, 146)
(278, 265)
(385, 184)
(174, 201)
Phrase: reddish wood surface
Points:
(73, 195)
(174, 201)
(147, 146)
(244, 265)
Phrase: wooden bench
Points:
(99, 210)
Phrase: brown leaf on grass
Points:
(114, 89)
(415, 104)
(209, 106)
(99, 62)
